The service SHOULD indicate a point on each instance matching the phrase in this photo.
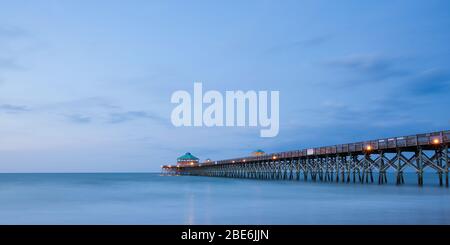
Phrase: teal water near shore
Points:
(138, 198)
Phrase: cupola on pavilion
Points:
(187, 160)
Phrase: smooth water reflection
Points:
(155, 199)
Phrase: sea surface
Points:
(139, 198)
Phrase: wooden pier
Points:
(353, 162)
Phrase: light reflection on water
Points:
(154, 199)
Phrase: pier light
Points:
(436, 141)
(368, 148)
(233, 161)
(274, 157)
(243, 160)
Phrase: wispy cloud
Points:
(12, 32)
(329, 113)
(79, 119)
(378, 68)
(314, 41)
(83, 103)
(375, 67)
(309, 42)
(430, 82)
(9, 36)
(8, 64)
(8, 108)
(88, 110)
(121, 117)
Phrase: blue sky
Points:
(86, 85)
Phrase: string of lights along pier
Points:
(353, 162)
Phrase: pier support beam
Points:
(399, 171)
(446, 165)
(419, 163)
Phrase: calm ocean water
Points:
(153, 199)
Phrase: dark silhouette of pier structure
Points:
(353, 162)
